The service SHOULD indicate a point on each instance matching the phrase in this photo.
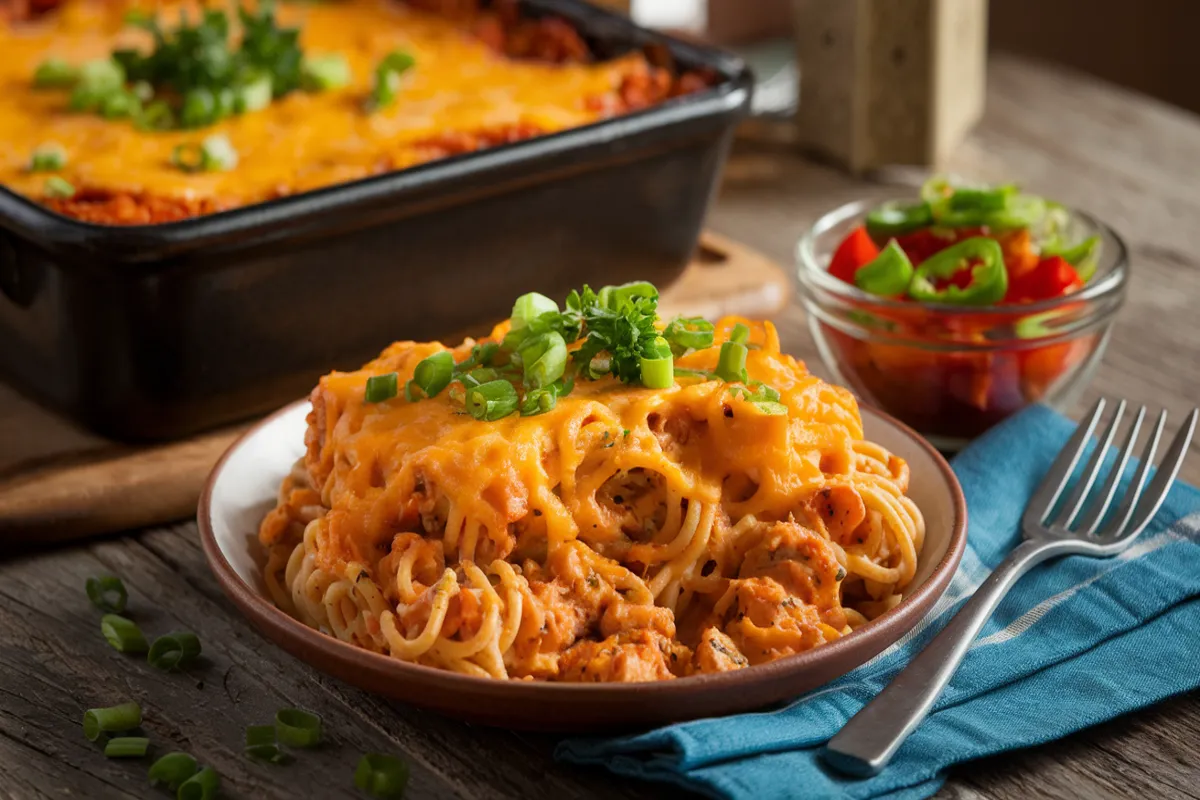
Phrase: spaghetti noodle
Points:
(627, 534)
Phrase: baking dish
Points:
(153, 332)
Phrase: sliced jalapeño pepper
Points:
(1082, 256)
(981, 257)
(888, 274)
(896, 218)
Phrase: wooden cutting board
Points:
(59, 482)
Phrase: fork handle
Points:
(868, 741)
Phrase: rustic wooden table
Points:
(1128, 159)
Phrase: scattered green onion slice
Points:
(296, 727)
(382, 387)
(260, 745)
(48, 158)
(492, 400)
(681, 372)
(199, 109)
(320, 73)
(544, 359)
(387, 78)
(107, 593)
(254, 95)
(172, 769)
(174, 650)
(98, 721)
(688, 333)
(381, 776)
(529, 307)
(155, 116)
(214, 154)
(614, 297)
(260, 734)
(731, 363)
(433, 373)
(201, 786)
(120, 104)
(127, 747)
(123, 634)
(59, 188)
(102, 74)
(740, 334)
(55, 73)
(658, 366)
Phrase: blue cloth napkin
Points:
(1077, 642)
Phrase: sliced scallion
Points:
(127, 747)
(387, 79)
(123, 634)
(381, 776)
(320, 73)
(174, 650)
(688, 333)
(253, 95)
(201, 786)
(296, 727)
(492, 400)
(529, 307)
(544, 359)
(433, 373)
(381, 387)
(260, 744)
(107, 593)
(55, 73)
(658, 365)
(48, 158)
(58, 188)
(740, 334)
(731, 364)
(199, 109)
(99, 721)
(172, 770)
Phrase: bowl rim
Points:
(808, 271)
(322, 649)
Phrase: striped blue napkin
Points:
(1077, 642)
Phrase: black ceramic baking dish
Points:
(154, 332)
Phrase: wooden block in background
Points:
(884, 83)
(59, 482)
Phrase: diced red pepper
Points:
(1052, 277)
(855, 250)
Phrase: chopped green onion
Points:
(433, 374)
(55, 73)
(492, 400)
(886, 275)
(172, 769)
(201, 786)
(107, 593)
(296, 727)
(118, 105)
(260, 744)
(529, 307)
(88, 98)
(127, 747)
(214, 154)
(771, 408)
(381, 776)
(681, 372)
(174, 650)
(382, 387)
(731, 364)
(387, 78)
(98, 721)
(658, 369)
(543, 359)
(254, 95)
(479, 376)
(58, 188)
(740, 334)
(122, 634)
(614, 297)
(688, 333)
(156, 116)
(48, 158)
(101, 76)
(320, 73)
(199, 109)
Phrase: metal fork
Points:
(868, 741)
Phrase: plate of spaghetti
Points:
(590, 518)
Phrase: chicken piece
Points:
(717, 653)
(841, 509)
(623, 617)
(632, 657)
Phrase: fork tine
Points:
(1165, 475)
(1134, 492)
(1091, 520)
(1070, 509)
(1052, 485)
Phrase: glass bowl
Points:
(951, 372)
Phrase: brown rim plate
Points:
(243, 486)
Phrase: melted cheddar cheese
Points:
(626, 534)
(304, 140)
